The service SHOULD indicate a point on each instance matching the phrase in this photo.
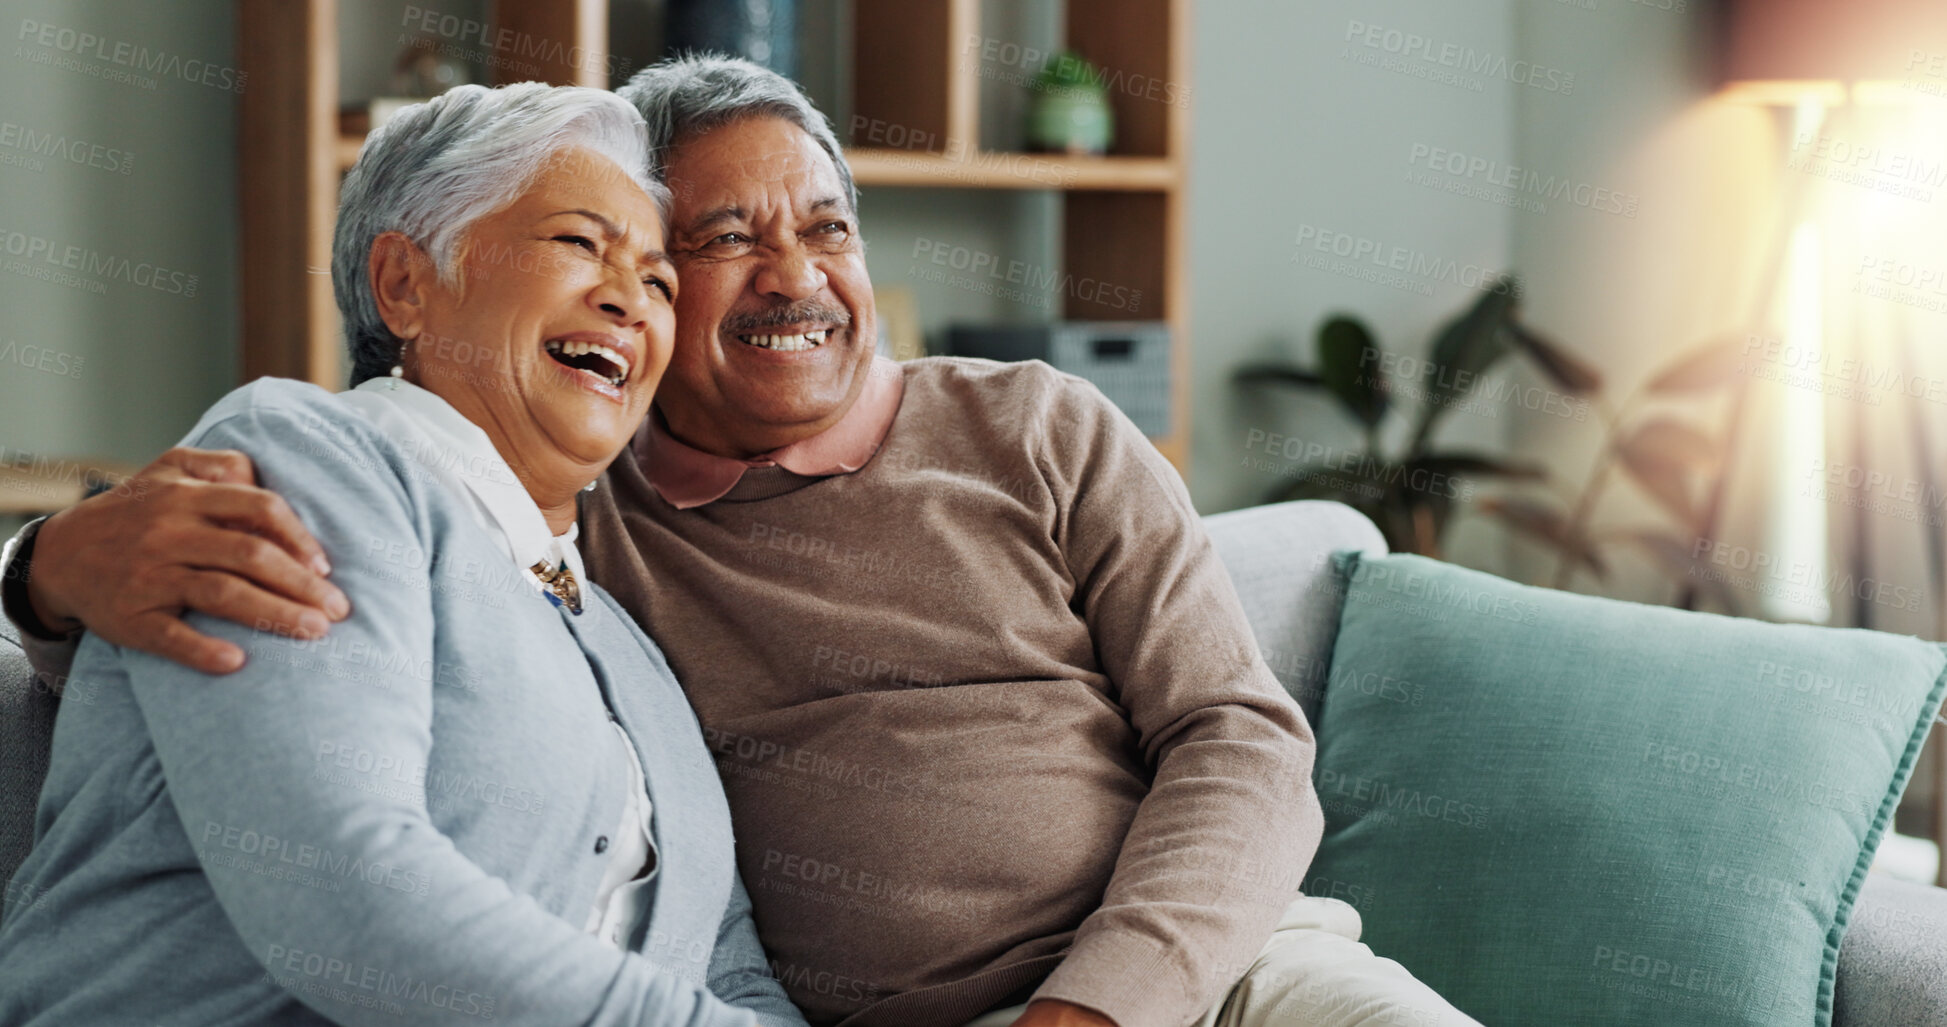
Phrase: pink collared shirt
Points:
(688, 477)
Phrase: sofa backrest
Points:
(1279, 557)
(26, 732)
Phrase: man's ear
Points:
(402, 280)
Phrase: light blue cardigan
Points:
(402, 823)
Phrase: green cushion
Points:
(1560, 809)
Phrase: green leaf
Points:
(1348, 362)
(1471, 343)
(1661, 455)
(1709, 366)
(1465, 348)
(1546, 524)
(1275, 374)
(1568, 371)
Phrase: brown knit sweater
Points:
(988, 711)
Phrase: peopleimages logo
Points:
(1910, 175)
(1800, 580)
(1391, 264)
(41, 358)
(1318, 456)
(505, 41)
(1042, 280)
(368, 986)
(118, 54)
(295, 856)
(1426, 381)
(40, 254)
(1408, 49)
(1437, 593)
(1523, 181)
(1027, 63)
(1382, 795)
(55, 146)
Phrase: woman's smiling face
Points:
(557, 327)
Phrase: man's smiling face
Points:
(774, 321)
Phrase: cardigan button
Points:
(601, 845)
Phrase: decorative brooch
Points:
(562, 589)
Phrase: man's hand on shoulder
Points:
(191, 531)
(1053, 1013)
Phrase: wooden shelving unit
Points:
(1123, 214)
(291, 157)
(872, 166)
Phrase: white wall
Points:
(1630, 291)
(141, 363)
(1293, 132)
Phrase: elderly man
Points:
(992, 724)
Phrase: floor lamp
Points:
(1811, 57)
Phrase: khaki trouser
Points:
(1314, 973)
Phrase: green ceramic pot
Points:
(1071, 120)
(1069, 112)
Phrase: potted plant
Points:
(1392, 487)
(1070, 111)
(1678, 465)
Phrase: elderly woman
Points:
(482, 798)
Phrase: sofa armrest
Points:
(1893, 962)
(1279, 557)
(26, 734)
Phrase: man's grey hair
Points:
(436, 168)
(689, 95)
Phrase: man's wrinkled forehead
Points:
(774, 162)
(707, 177)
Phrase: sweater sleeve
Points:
(738, 972)
(1220, 844)
(444, 940)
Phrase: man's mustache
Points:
(788, 314)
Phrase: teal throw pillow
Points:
(1558, 809)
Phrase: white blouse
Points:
(458, 452)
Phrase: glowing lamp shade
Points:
(1786, 51)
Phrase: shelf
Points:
(912, 72)
(1001, 170)
(983, 170)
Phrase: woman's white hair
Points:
(438, 167)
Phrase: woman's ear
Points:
(402, 281)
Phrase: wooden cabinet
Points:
(1123, 214)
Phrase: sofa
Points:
(1892, 965)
